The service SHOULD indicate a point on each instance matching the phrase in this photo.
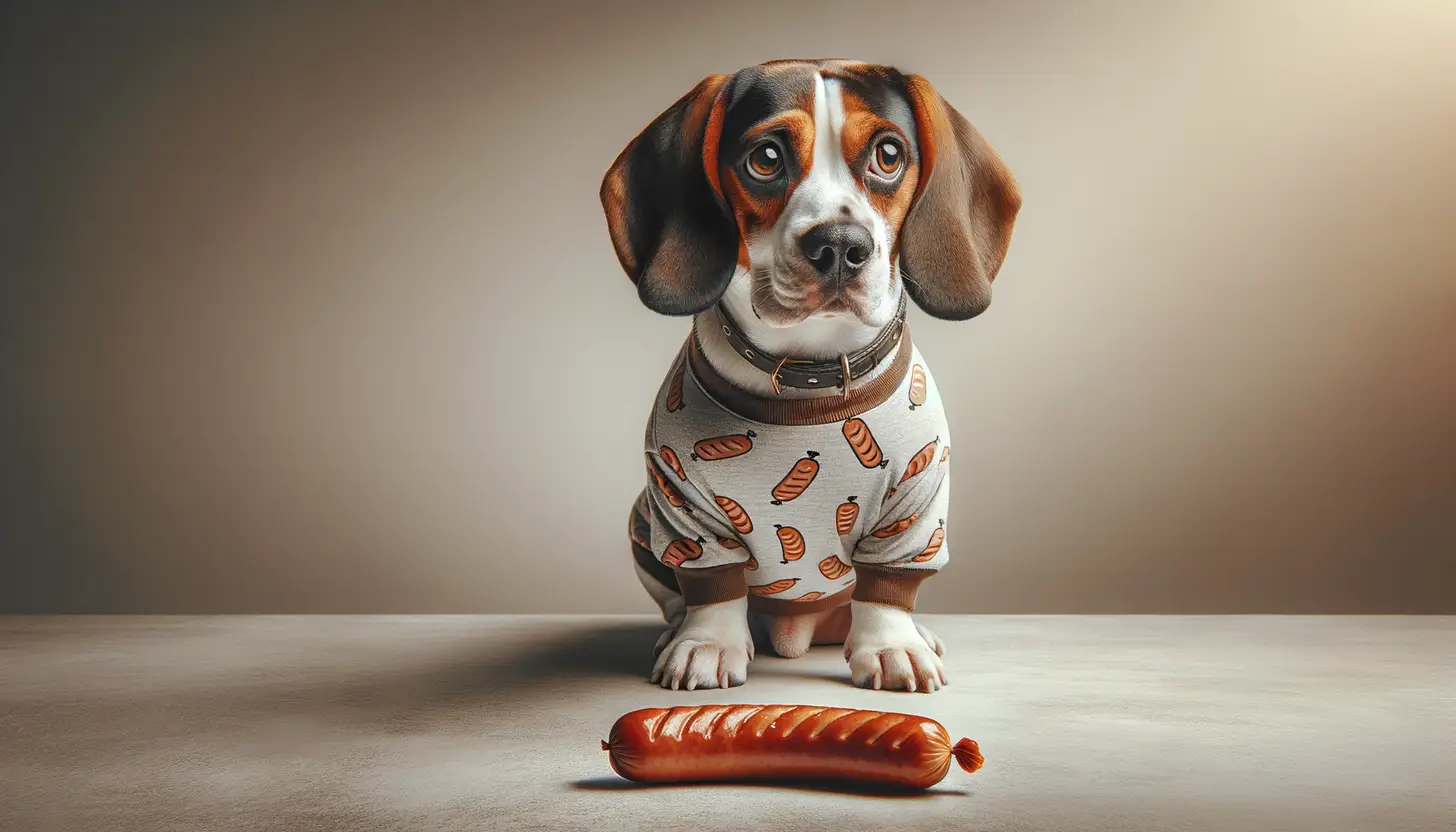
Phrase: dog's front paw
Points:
(886, 650)
(711, 649)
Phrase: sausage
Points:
(809, 596)
(723, 447)
(782, 585)
(921, 460)
(937, 539)
(674, 497)
(791, 541)
(797, 481)
(728, 543)
(682, 549)
(674, 388)
(917, 386)
(863, 443)
(670, 457)
(738, 743)
(945, 455)
(895, 527)
(742, 523)
(752, 563)
(845, 515)
(833, 568)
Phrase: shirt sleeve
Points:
(691, 535)
(907, 542)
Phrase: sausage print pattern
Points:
(681, 550)
(866, 449)
(675, 387)
(797, 481)
(742, 523)
(796, 506)
(723, 447)
(917, 386)
(670, 457)
(845, 515)
(833, 568)
(933, 547)
(791, 541)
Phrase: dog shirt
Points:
(800, 504)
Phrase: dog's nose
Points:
(837, 249)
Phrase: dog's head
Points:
(826, 181)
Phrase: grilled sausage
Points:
(833, 568)
(774, 588)
(742, 523)
(723, 447)
(895, 527)
(670, 457)
(921, 460)
(682, 549)
(917, 386)
(863, 443)
(845, 515)
(736, 743)
(674, 497)
(791, 541)
(674, 388)
(937, 539)
(797, 481)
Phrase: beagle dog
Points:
(797, 455)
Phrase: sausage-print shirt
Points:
(802, 504)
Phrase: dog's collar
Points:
(809, 374)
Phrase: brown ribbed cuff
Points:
(712, 584)
(889, 585)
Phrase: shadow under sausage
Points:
(618, 784)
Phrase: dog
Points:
(797, 455)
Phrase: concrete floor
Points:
(372, 723)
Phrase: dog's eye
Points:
(765, 162)
(888, 158)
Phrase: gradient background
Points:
(290, 297)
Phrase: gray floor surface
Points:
(493, 722)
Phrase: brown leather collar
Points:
(817, 410)
(808, 374)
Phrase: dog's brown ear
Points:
(669, 223)
(959, 227)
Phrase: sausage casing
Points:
(707, 743)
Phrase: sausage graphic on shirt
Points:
(742, 523)
(723, 447)
(670, 457)
(809, 596)
(728, 543)
(845, 515)
(675, 387)
(863, 443)
(797, 481)
(833, 568)
(791, 541)
(918, 463)
(774, 588)
(945, 455)
(896, 527)
(682, 549)
(937, 539)
(917, 386)
(674, 497)
(752, 563)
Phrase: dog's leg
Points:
(887, 650)
(711, 648)
(668, 600)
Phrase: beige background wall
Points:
(288, 294)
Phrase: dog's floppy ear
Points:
(959, 227)
(669, 223)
